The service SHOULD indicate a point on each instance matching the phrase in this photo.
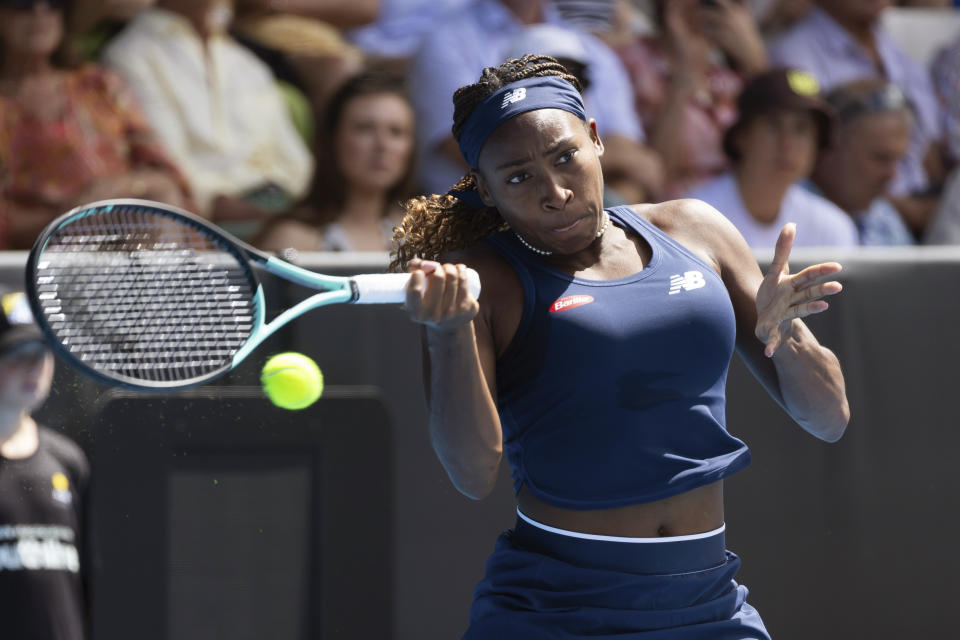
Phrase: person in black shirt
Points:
(43, 485)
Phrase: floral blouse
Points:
(100, 133)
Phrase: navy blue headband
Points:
(548, 92)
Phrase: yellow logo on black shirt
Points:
(61, 488)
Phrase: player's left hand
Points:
(783, 296)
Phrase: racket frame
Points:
(338, 289)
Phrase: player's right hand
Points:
(438, 295)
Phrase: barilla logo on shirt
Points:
(570, 302)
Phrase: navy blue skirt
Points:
(543, 583)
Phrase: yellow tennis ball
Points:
(292, 380)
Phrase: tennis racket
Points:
(144, 295)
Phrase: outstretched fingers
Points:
(781, 254)
(816, 292)
(814, 273)
(809, 284)
(805, 309)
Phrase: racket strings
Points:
(146, 297)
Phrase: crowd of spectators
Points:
(302, 124)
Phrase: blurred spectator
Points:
(842, 40)
(773, 145)
(302, 40)
(945, 71)
(68, 134)
(400, 27)
(686, 79)
(96, 22)
(944, 228)
(217, 108)
(458, 49)
(340, 14)
(871, 136)
(627, 21)
(560, 43)
(773, 16)
(364, 171)
(593, 16)
(926, 4)
(45, 559)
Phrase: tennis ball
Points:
(292, 380)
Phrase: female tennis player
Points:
(596, 360)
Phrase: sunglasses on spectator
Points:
(27, 5)
(883, 99)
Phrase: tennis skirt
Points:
(543, 582)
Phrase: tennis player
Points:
(596, 360)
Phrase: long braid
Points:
(438, 224)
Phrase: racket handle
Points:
(391, 288)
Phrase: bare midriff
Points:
(696, 511)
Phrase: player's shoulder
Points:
(684, 217)
(697, 226)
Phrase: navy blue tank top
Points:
(611, 392)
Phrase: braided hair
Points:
(437, 224)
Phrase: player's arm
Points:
(459, 372)
(802, 375)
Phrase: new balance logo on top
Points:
(689, 281)
(513, 96)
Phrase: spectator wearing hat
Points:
(772, 146)
(843, 40)
(871, 135)
(44, 476)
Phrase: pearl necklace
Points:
(603, 227)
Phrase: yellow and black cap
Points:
(17, 326)
(778, 89)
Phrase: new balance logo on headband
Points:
(513, 96)
(689, 281)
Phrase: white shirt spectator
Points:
(218, 111)
(401, 26)
(879, 225)
(819, 222)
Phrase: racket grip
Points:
(391, 288)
